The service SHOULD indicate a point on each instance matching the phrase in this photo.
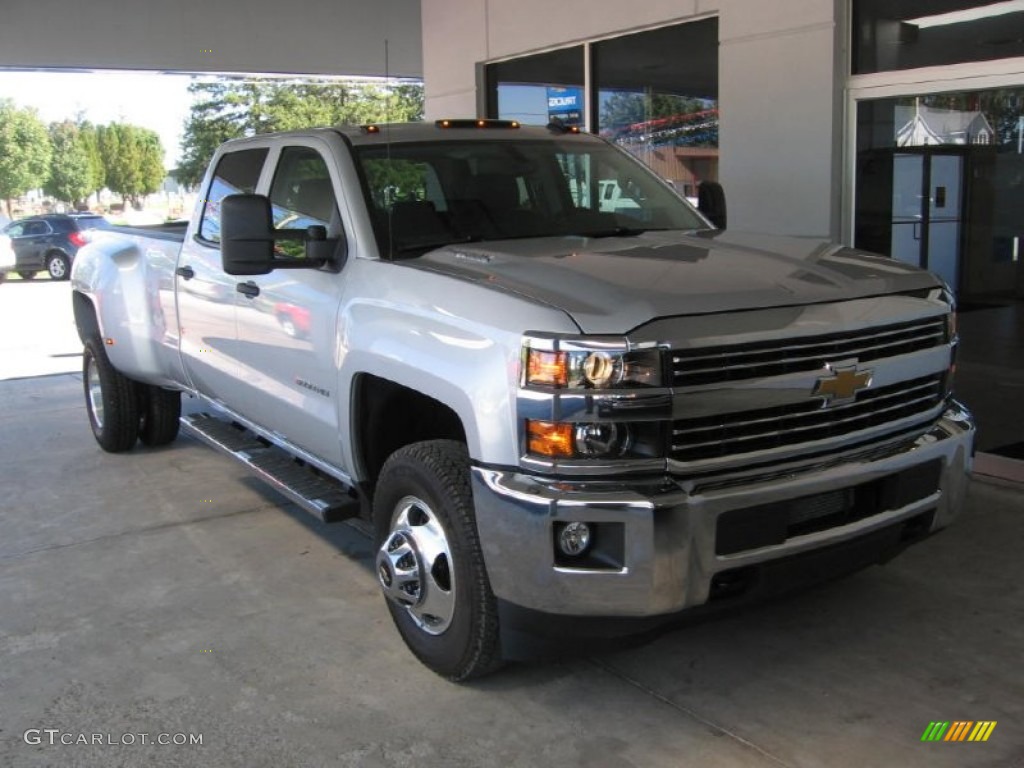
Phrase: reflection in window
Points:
(658, 99)
(301, 196)
(980, 132)
(237, 173)
(536, 90)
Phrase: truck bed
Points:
(169, 230)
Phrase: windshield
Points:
(426, 195)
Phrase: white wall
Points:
(344, 37)
(780, 121)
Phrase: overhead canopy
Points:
(333, 37)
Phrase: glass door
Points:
(927, 198)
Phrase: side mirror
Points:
(246, 235)
(711, 202)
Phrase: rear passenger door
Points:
(205, 294)
(288, 323)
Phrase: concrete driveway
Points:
(165, 593)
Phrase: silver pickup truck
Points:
(556, 416)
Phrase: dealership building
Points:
(897, 126)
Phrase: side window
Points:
(37, 228)
(302, 196)
(16, 230)
(237, 173)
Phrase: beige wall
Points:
(781, 122)
(344, 37)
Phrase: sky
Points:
(155, 101)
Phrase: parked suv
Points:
(50, 241)
(7, 258)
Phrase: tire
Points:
(58, 266)
(111, 400)
(27, 275)
(429, 562)
(159, 414)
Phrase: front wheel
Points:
(58, 266)
(429, 562)
(111, 399)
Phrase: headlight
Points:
(593, 440)
(570, 365)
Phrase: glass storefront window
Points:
(657, 97)
(940, 183)
(654, 93)
(908, 34)
(538, 89)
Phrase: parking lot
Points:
(165, 592)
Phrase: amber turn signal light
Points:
(545, 438)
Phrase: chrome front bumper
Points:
(668, 549)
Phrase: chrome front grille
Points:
(761, 359)
(734, 434)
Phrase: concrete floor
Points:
(167, 592)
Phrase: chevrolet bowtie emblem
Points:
(843, 385)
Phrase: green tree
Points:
(70, 172)
(24, 152)
(230, 108)
(89, 136)
(132, 158)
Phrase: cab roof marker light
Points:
(477, 123)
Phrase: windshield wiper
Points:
(430, 245)
(618, 232)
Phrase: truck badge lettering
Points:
(843, 385)
(312, 387)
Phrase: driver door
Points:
(288, 321)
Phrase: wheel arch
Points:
(386, 415)
(86, 318)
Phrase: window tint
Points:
(15, 230)
(302, 196)
(427, 195)
(37, 228)
(237, 173)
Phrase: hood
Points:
(613, 285)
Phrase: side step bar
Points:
(329, 500)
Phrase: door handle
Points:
(249, 289)
(186, 272)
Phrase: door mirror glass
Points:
(247, 241)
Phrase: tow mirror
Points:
(246, 235)
(711, 202)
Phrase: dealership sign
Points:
(565, 105)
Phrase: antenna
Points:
(387, 144)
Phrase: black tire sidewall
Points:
(120, 401)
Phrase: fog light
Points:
(574, 539)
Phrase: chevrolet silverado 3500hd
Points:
(552, 416)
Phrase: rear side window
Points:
(237, 173)
(37, 228)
